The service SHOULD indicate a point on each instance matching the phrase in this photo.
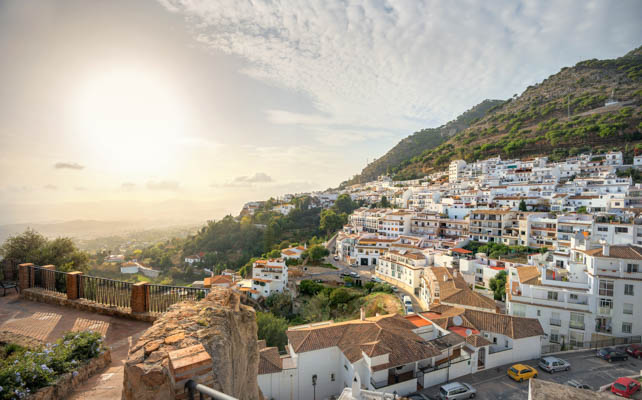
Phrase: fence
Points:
(594, 344)
(49, 279)
(105, 291)
(129, 297)
(160, 297)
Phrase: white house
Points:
(293, 253)
(268, 276)
(192, 259)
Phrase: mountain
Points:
(425, 139)
(562, 116)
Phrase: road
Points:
(585, 368)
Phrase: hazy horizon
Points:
(184, 110)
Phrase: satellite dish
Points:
(457, 320)
(468, 332)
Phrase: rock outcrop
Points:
(226, 329)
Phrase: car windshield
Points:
(604, 351)
(620, 387)
(513, 370)
(443, 391)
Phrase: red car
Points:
(625, 387)
(635, 350)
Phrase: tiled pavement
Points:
(47, 323)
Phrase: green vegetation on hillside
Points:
(560, 117)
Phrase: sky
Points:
(186, 109)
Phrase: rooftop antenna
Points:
(457, 320)
(468, 332)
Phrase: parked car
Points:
(394, 289)
(625, 387)
(635, 350)
(407, 301)
(611, 354)
(553, 364)
(409, 310)
(345, 275)
(355, 275)
(456, 390)
(521, 372)
(335, 258)
(578, 385)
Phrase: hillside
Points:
(425, 139)
(538, 123)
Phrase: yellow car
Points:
(521, 372)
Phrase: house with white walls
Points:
(268, 276)
(446, 286)
(401, 268)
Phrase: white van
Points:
(407, 301)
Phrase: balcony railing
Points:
(161, 296)
(106, 291)
(576, 325)
(605, 311)
(555, 322)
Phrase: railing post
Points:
(73, 285)
(25, 277)
(139, 297)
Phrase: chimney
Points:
(362, 314)
(606, 249)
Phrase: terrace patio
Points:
(46, 322)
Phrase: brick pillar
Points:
(139, 297)
(23, 276)
(73, 285)
(190, 363)
(48, 279)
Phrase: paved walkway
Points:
(47, 323)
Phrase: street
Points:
(585, 368)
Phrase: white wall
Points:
(321, 363)
(280, 385)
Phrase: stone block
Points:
(73, 285)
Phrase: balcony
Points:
(602, 328)
(576, 325)
(555, 322)
(607, 311)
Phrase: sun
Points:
(129, 119)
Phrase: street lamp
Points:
(314, 386)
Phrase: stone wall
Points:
(169, 353)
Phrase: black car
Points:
(612, 354)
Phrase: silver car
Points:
(553, 364)
(456, 390)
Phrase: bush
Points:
(24, 371)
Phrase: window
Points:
(606, 303)
(606, 288)
(630, 268)
(573, 296)
(627, 327)
(627, 308)
(602, 229)
(554, 337)
(628, 290)
(621, 229)
(332, 377)
(552, 296)
(539, 313)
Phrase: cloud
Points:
(258, 177)
(128, 186)
(67, 165)
(80, 188)
(406, 65)
(51, 187)
(171, 186)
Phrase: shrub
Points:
(24, 371)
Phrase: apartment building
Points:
(455, 170)
(268, 276)
(494, 226)
(394, 224)
(401, 268)
(368, 250)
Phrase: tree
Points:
(30, 246)
(280, 304)
(340, 296)
(522, 205)
(272, 329)
(344, 204)
(498, 285)
(309, 287)
(274, 253)
(317, 252)
(331, 221)
(384, 203)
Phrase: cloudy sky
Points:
(188, 108)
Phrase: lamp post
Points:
(314, 386)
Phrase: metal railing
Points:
(576, 324)
(595, 344)
(48, 279)
(556, 322)
(160, 297)
(105, 291)
(193, 387)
